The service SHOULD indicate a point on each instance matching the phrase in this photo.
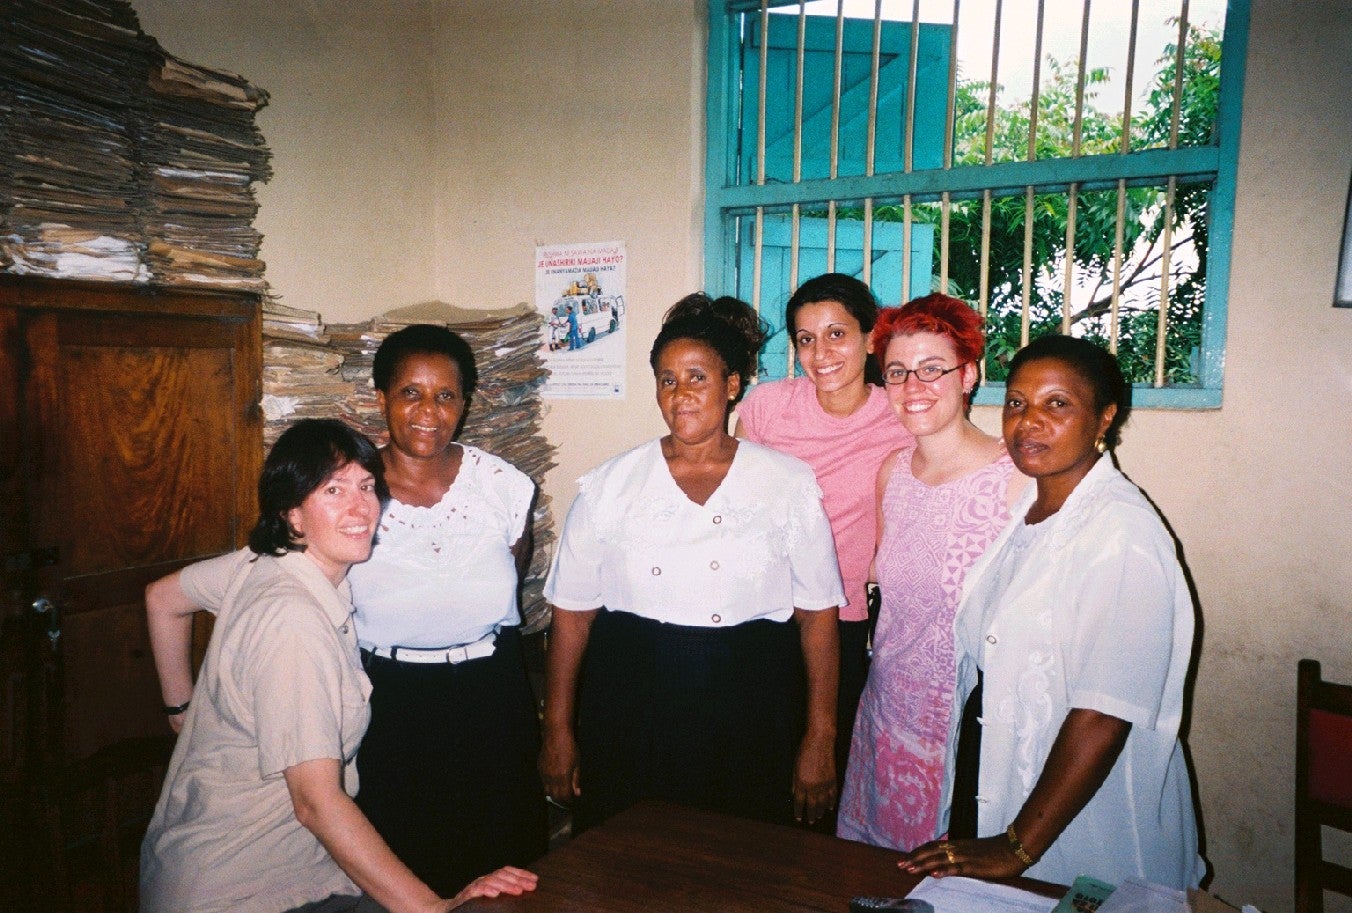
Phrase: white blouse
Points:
(1088, 609)
(445, 575)
(760, 546)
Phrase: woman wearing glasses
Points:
(836, 419)
(940, 502)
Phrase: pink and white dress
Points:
(931, 536)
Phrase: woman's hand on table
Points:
(558, 766)
(1085, 749)
(988, 857)
(814, 780)
(506, 880)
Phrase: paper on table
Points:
(1136, 896)
(967, 895)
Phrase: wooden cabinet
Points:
(130, 444)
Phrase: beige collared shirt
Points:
(281, 684)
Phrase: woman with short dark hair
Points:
(448, 763)
(1081, 620)
(836, 418)
(256, 811)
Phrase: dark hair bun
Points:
(728, 325)
(735, 312)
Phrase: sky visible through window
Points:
(1040, 261)
(1109, 24)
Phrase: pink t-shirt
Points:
(845, 453)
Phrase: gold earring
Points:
(1100, 445)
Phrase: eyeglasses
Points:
(926, 374)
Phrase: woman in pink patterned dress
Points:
(940, 503)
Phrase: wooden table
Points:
(657, 857)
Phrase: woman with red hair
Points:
(941, 501)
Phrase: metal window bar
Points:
(757, 264)
(1025, 315)
(1038, 176)
(835, 135)
(1114, 309)
(1073, 192)
(870, 152)
(796, 224)
(984, 288)
(950, 115)
(908, 151)
(1162, 327)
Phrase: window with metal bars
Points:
(1063, 165)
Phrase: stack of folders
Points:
(313, 369)
(118, 161)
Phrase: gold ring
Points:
(948, 851)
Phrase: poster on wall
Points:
(579, 288)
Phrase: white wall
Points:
(348, 218)
(424, 149)
(572, 122)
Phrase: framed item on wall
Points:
(1342, 289)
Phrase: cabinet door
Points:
(133, 442)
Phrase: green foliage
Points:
(1095, 216)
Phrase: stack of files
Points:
(72, 77)
(60, 251)
(357, 343)
(505, 412)
(119, 161)
(282, 322)
(203, 153)
(300, 380)
(301, 375)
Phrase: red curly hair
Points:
(934, 313)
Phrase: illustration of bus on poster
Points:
(579, 289)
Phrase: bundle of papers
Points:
(69, 74)
(203, 154)
(49, 249)
(969, 895)
(1086, 895)
(313, 369)
(117, 160)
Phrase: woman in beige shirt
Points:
(256, 812)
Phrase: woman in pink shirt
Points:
(837, 419)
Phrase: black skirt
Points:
(709, 717)
(448, 765)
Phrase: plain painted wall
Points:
(423, 149)
(348, 216)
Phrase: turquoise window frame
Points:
(725, 199)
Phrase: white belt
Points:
(457, 654)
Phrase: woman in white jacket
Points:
(1082, 622)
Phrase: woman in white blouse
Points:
(694, 650)
(448, 764)
(1082, 622)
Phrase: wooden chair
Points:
(1323, 783)
(90, 816)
